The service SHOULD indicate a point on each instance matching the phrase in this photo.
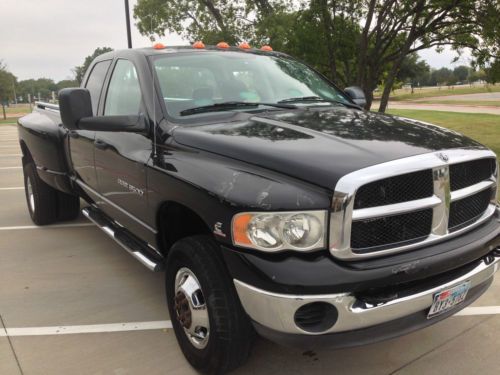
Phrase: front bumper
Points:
(358, 321)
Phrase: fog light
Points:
(316, 317)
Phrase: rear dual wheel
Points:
(47, 205)
(212, 329)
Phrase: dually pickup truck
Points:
(274, 203)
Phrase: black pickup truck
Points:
(272, 200)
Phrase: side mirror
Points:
(356, 94)
(128, 123)
(74, 104)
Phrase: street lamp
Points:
(127, 17)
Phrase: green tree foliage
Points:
(7, 82)
(81, 69)
(364, 42)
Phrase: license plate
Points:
(447, 299)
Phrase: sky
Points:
(47, 38)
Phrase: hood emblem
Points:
(443, 156)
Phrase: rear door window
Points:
(124, 91)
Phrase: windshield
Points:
(190, 81)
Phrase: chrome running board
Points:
(144, 253)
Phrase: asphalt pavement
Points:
(73, 302)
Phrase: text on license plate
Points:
(448, 298)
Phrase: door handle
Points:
(101, 145)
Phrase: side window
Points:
(95, 82)
(124, 92)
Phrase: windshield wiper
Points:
(227, 106)
(318, 99)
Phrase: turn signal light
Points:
(266, 48)
(199, 45)
(222, 45)
(159, 46)
(244, 45)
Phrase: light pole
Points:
(127, 17)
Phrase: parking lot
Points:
(73, 302)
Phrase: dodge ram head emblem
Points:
(443, 156)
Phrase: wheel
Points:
(212, 329)
(47, 205)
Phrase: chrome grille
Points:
(446, 193)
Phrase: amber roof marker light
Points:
(198, 44)
(159, 46)
(222, 45)
(266, 48)
(244, 45)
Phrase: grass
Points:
(430, 92)
(20, 108)
(484, 128)
(12, 120)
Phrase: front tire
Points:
(212, 329)
(47, 205)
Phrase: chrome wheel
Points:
(191, 309)
(31, 196)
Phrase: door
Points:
(81, 142)
(121, 157)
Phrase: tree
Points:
(7, 83)
(81, 69)
(461, 73)
(413, 71)
(207, 20)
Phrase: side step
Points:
(138, 249)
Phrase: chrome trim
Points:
(88, 188)
(343, 213)
(396, 209)
(47, 106)
(276, 311)
(152, 266)
(471, 190)
(45, 169)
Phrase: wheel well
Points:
(177, 221)
(26, 153)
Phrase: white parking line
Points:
(10, 155)
(23, 227)
(95, 328)
(13, 188)
(480, 310)
(161, 324)
(3, 168)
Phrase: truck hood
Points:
(319, 145)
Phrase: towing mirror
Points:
(356, 94)
(128, 123)
(74, 104)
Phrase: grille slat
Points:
(375, 234)
(467, 210)
(470, 173)
(397, 189)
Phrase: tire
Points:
(47, 205)
(230, 333)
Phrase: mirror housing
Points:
(74, 104)
(127, 123)
(356, 94)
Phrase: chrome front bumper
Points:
(276, 311)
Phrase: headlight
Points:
(277, 231)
